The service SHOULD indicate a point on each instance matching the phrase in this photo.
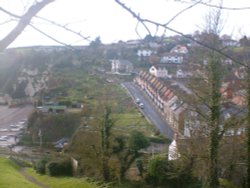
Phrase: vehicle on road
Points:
(15, 129)
(141, 105)
(137, 100)
(3, 138)
(13, 126)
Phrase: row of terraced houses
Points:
(167, 96)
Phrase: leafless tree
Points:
(215, 51)
(25, 20)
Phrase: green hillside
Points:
(12, 178)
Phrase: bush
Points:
(159, 140)
(59, 168)
(157, 171)
(40, 166)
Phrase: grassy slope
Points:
(10, 177)
(62, 182)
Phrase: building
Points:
(144, 53)
(159, 71)
(121, 66)
(176, 58)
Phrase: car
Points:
(3, 138)
(137, 100)
(13, 126)
(15, 129)
(141, 105)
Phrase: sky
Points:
(109, 21)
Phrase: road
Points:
(149, 110)
(11, 119)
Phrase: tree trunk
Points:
(214, 120)
(248, 127)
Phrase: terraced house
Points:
(172, 100)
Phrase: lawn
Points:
(133, 121)
(10, 177)
(62, 182)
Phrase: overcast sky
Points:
(107, 19)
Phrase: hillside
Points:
(24, 72)
(16, 177)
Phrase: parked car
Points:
(137, 100)
(141, 105)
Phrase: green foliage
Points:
(127, 150)
(61, 167)
(53, 126)
(171, 174)
(226, 184)
(96, 43)
(64, 182)
(40, 165)
(138, 141)
(159, 140)
(157, 171)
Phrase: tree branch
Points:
(52, 38)
(143, 21)
(218, 6)
(23, 22)
(64, 27)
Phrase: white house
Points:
(172, 58)
(121, 66)
(159, 71)
(180, 73)
(179, 49)
(144, 53)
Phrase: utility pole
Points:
(40, 136)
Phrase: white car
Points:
(137, 100)
(15, 129)
(141, 105)
(4, 130)
(3, 138)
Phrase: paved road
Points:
(149, 110)
(9, 117)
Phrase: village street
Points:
(149, 110)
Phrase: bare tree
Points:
(23, 22)
(214, 78)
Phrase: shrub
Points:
(59, 168)
(40, 166)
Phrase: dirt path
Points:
(32, 179)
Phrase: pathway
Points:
(32, 179)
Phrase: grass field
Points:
(62, 182)
(133, 121)
(11, 178)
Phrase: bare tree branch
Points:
(142, 20)
(182, 11)
(217, 6)
(49, 36)
(9, 13)
(64, 27)
(23, 22)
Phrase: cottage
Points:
(159, 71)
